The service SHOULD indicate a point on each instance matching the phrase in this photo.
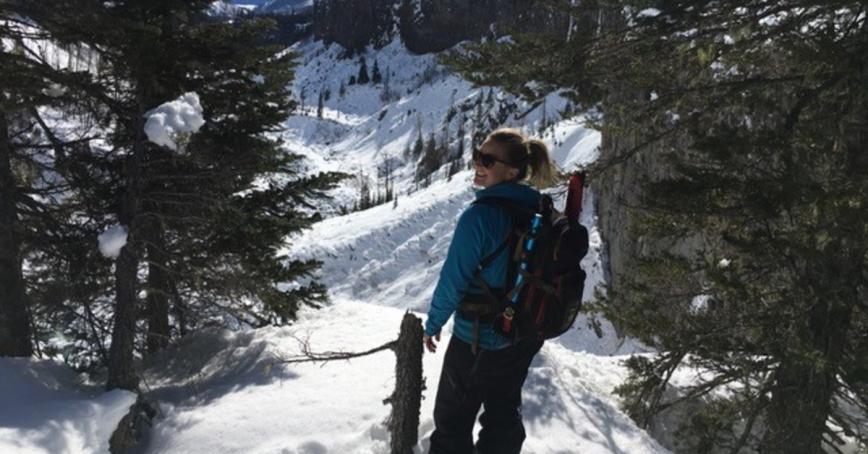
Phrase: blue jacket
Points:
(480, 230)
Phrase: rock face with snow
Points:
(621, 189)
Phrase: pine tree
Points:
(363, 72)
(319, 105)
(376, 77)
(14, 321)
(432, 159)
(459, 137)
(457, 157)
(757, 136)
(206, 232)
(418, 146)
(365, 201)
(544, 121)
(431, 145)
(34, 224)
(480, 126)
(386, 94)
(15, 89)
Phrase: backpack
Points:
(542, 293)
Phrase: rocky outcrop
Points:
(619, 204)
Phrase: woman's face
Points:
(498, 171)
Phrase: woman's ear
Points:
(513, 173)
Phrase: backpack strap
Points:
(494, 301)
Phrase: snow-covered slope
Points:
(44, 409)
(391, 254)
(221, 391)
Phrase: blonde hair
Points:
(527, 154)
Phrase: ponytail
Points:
(543, 173)
(529, 155)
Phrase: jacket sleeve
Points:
(464, 255)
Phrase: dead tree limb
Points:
(406, 400)
(403, 422)
(308, 356)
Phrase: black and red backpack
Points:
(542, 293)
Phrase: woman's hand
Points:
(430, 343)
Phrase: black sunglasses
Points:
(486, 159)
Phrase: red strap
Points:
(574, 196)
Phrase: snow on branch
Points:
(174, 121)
(112, 240)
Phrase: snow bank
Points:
(170, 121)
(43, 409)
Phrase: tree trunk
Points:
(121, 373)
(14, 322)
(403, 422)
(159, 288)
(801, 400)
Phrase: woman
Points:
(493, 374)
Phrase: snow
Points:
(648, 12)
(43, 409)
(55, 90)
(112, 240)
(337, 406)
(221, 391)
(171, 121)
(699, 303)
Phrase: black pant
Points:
(492, 378)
